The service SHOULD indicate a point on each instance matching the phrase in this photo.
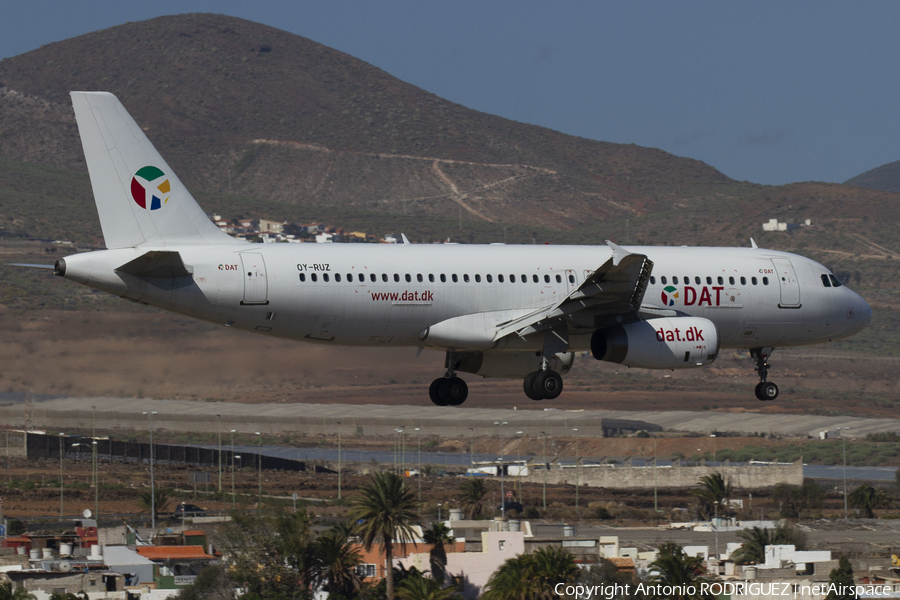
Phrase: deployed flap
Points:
(615, 287)
(157, 264)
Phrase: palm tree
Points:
(437, 536)
(337, 561)
(532, 576)
(8, 593)
(418, 587)
(712, 496)
(868, 498)
(753, 550)
(684, 573)
(472, 493)
(145, 499)
(385, 512)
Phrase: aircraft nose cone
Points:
(863, 313)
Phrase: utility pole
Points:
(259, 472)
(472, 453)
(340, 462)
(577, 477)
(232, 468)
(219, 417)
(544, 460)
(502, 487)
(419, 468)
(152, 482)
(844, 445)
(62, 442)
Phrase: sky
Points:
(771, 92)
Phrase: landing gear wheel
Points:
(528, 386)
(453, 391)
(434, 391)
(766, 391)
(548, 384)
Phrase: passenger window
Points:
(535, 278)
(652, 280)
(753, 280)
(743, 281)
(396, 278)
(443, 278)
(687, 280)
(490, 278)
(546, 279)
(697, 280)
(558, 279)
(663, 280)
(350, 277)
(571, 279)
(675, 280)
(466, 278)
(454, 278)
(314, 277)
(372, 277)
(384, 277)
(477, 278)
(500, 278)
(337, 277)
(408, 278)
(708, 280)
(303, 277)
(731, 281)
(834, 281)
(325, 277)
(431, 277)
(512, 278)
(720, 280)
(419, 278)
(765, 281)
(524, 279)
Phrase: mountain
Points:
(238, 106)
(885, 178)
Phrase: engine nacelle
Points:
(511, 365)
(664, 343)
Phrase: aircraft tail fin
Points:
(139, 198)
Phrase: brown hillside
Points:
(287, 119)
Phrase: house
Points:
(176, 566)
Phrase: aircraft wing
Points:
(615, 289)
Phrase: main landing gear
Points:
(448, 390)
(765, 390)
(545, 384)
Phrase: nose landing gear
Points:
(765, 390)
(448, 390)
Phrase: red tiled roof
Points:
(18, 539)
(622, 563)
(172, 552)
(194, 532)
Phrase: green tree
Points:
(673, 567)
(604, 573)
(212, 583)
(437, 535)
(386, 513)
(338, 559)
(532, 576)
(471, 496)
(868, 498)
(753, 550)
(418, 587)
(145, 499)
(712, 496)
(792, 500)
(842, 578)
(8, 593)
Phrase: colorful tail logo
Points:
(150, 188)
(669, 295)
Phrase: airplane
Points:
(495, 310)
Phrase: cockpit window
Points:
(825, 280)
(834, 281)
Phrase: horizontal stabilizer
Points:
(158, 264)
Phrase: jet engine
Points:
(664, 343)
(511, 365)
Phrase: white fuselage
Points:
(371, 295)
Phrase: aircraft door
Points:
(256, 287)
(789, 285)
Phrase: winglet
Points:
(753, 243)
(404, 238)
(618, 253)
